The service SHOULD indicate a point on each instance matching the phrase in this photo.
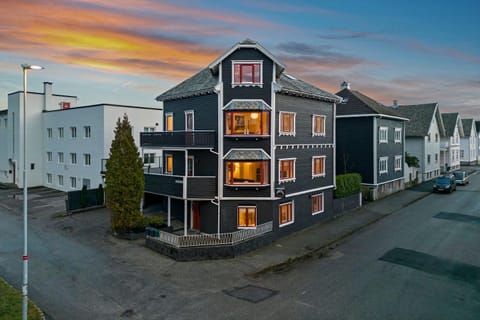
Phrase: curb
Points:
(325, 248)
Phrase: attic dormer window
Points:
(247, 73)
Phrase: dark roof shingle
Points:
(450, 121)
(201, 83)
(292, 85)
(421, 116)
(467, 126)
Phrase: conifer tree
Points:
(124, 180)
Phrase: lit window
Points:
(73, 182)
(246, 217)
(318, 166)
(287, 170)
(49, 133)
(247, 172)
(318, 125)
(87, 159)
(169, 121)
(287, 123)
(317, 203)
(398, 163)
(49, 156)
(169, 162)
(247, 73)
(398, 135)
(73, 158)
(285, 214)
(60, 157)
(383, 165)
(60, 133)
(73, 132)
(247, 123)
(383, 135)
(87, 132)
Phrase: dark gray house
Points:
(371, 142)
(248, 155)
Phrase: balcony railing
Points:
(185, 139)
(198, 187)
(203, 240)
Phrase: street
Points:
(420, 262)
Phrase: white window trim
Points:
(256, 217)
(395, 163)
(193, 119)
(386, 165)
(72, 158)
(294, 170)
(85, 135)
(280, 122)
(61, 133)
(313, 166)
(168, 114)
(49, 178)
(319, 134)
(49, 156)
(380, 140)
(72, 131)
(85, 158)
(323, 203)
(246, 84)
(293, 214)
(61, 157)
(395, 135)
(71, 185)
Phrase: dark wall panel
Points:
(390, 150)
(205, 112)
(229, 213)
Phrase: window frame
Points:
(61, 132)
(168, 115)
(315, 175)
(380, 138)
(73, 158)
(49, 156)
(322, 205)
(192, 114)
(167, 163)
(85, 157)
(73, 132)
(247, 207)
(292, 213)
(398, 168)
(49, 133)
(49, 178)
(87, 132)
(281, 132)
(380, 160)
(398, 131)
(60, 180)
(315, 133)
(61, 157)
(293, 169)
(73, 182)
(230, 117)
(245, 63)
(264, 174)
(150, 157)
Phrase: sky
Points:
(128, 52)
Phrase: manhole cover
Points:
(251, 293)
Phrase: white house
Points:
(422, 138)
(469, 143)
(450, 143)
(65, 142)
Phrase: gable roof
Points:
(204, 82)
(450, 120)
(421, 116)
(356, 103)
(467, 125)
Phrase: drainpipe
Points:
(218, 216)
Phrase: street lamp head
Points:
(31, 67)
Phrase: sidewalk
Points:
(317, 240)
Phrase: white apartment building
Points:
(450, 143)
(66, 143)
(469, 143)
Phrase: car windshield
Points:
(442, 180)
(458, 174)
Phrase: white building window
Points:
(49, 156)
(49, 133)
(383, 165)
(60, 157)
(86, 183)
(73, 158)
(436, 157)
(247, 73)
(148, 158)
(317, 203)
(318, 125)
(287, 123)
(73, 132)
(383, 135)
(60, 180)
(429, 159)
(87, 159)
(286, 214)
(61, 133)
(398, 163)
(398, 135)
(49, 178)
(73, 182)
(462, 153)
(87, 131)
(286, 169)
(149, 129)
(318, 166)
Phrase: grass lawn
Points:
(11, 304)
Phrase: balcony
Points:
(182, 139)
(197, 187)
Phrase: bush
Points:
(347, 184)
(153, 221)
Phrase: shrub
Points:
(347, 184)
(153, 221)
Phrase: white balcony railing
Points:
(202, 240)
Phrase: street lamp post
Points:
(25, 68)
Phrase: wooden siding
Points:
(205, 112)
(229, 213)
(390, 150)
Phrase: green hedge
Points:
(347, 184)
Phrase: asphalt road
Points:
(421, 262)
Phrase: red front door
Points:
(196, 216)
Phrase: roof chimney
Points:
(345, 85)
(47, 95)
(395, 104)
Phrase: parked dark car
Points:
(461, 177)
(445, 183)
